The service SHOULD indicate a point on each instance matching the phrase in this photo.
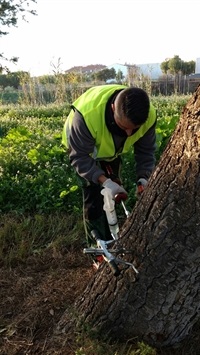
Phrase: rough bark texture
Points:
(161, 305)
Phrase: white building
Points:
(197, 66)
(152, 69)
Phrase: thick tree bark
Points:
(161, 305)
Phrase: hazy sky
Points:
(83, 32)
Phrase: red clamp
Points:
(120, 197)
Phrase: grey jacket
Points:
(82, 145)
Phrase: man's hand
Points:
(114, 187)
(141, 184)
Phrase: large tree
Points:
(161, 304)
(10, 12)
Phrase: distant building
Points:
(152, 69)
(88, 69)
(122, 67)
(195, 76)
(197, 66)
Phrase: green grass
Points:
(24, 235)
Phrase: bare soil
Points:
(33, 298)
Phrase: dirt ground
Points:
(33, 298)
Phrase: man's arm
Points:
(82, 144)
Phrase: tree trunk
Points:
(161, 304)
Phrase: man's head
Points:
(131, 108)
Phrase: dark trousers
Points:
(94, 216)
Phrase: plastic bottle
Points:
(109, 208)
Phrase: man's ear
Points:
(113, 107)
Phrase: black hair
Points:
(134, 104)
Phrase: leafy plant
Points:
(35, 173)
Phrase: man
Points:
(105, 122)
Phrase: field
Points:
(43, 268)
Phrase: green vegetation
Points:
(40, 199)
(35, 173)
(34, 166)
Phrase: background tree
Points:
(161, 305)
(188, 67)
(164, 66)
(119, 76)
(176, 65)
(178, 68)
(13, 79)
(10, 12)
(105, 74)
